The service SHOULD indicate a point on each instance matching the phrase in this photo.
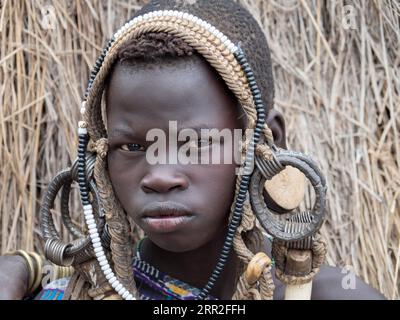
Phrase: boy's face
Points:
(180, 207)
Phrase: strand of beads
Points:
(245, 180)
(89, 217)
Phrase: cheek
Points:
(124, 177)
(217, 188)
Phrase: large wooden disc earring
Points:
(285, 191)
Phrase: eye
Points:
(132, 147)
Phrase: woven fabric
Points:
(152, 284)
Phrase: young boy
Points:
(184, 209)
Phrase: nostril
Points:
(163, 183)
(147, 189)
(179, 187)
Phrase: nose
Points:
(163, 180)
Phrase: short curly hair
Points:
(238, 24)
(232, 19)
(154, 47)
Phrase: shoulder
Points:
(335, 283)
(332, 283)
(54, 290)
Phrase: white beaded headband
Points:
(147, 18)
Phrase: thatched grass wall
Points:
(337, 83)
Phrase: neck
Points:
(195, 267)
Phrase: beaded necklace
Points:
(152, 284)
(156, 285)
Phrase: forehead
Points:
(190, 92)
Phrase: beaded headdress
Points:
(108, 228)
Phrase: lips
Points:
(164, 217)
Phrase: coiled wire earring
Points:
(80, 249)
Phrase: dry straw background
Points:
(338, 87)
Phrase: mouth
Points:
(165, 217)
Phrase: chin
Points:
(174, 243)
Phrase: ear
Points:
(285, 191)
(276, 123)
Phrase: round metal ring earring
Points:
(272, 221)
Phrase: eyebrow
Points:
(123, 131)
(127, 131)
(195, 126)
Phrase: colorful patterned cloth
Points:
(54, 290)
(152, 284)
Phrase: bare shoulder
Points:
(333, 283)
